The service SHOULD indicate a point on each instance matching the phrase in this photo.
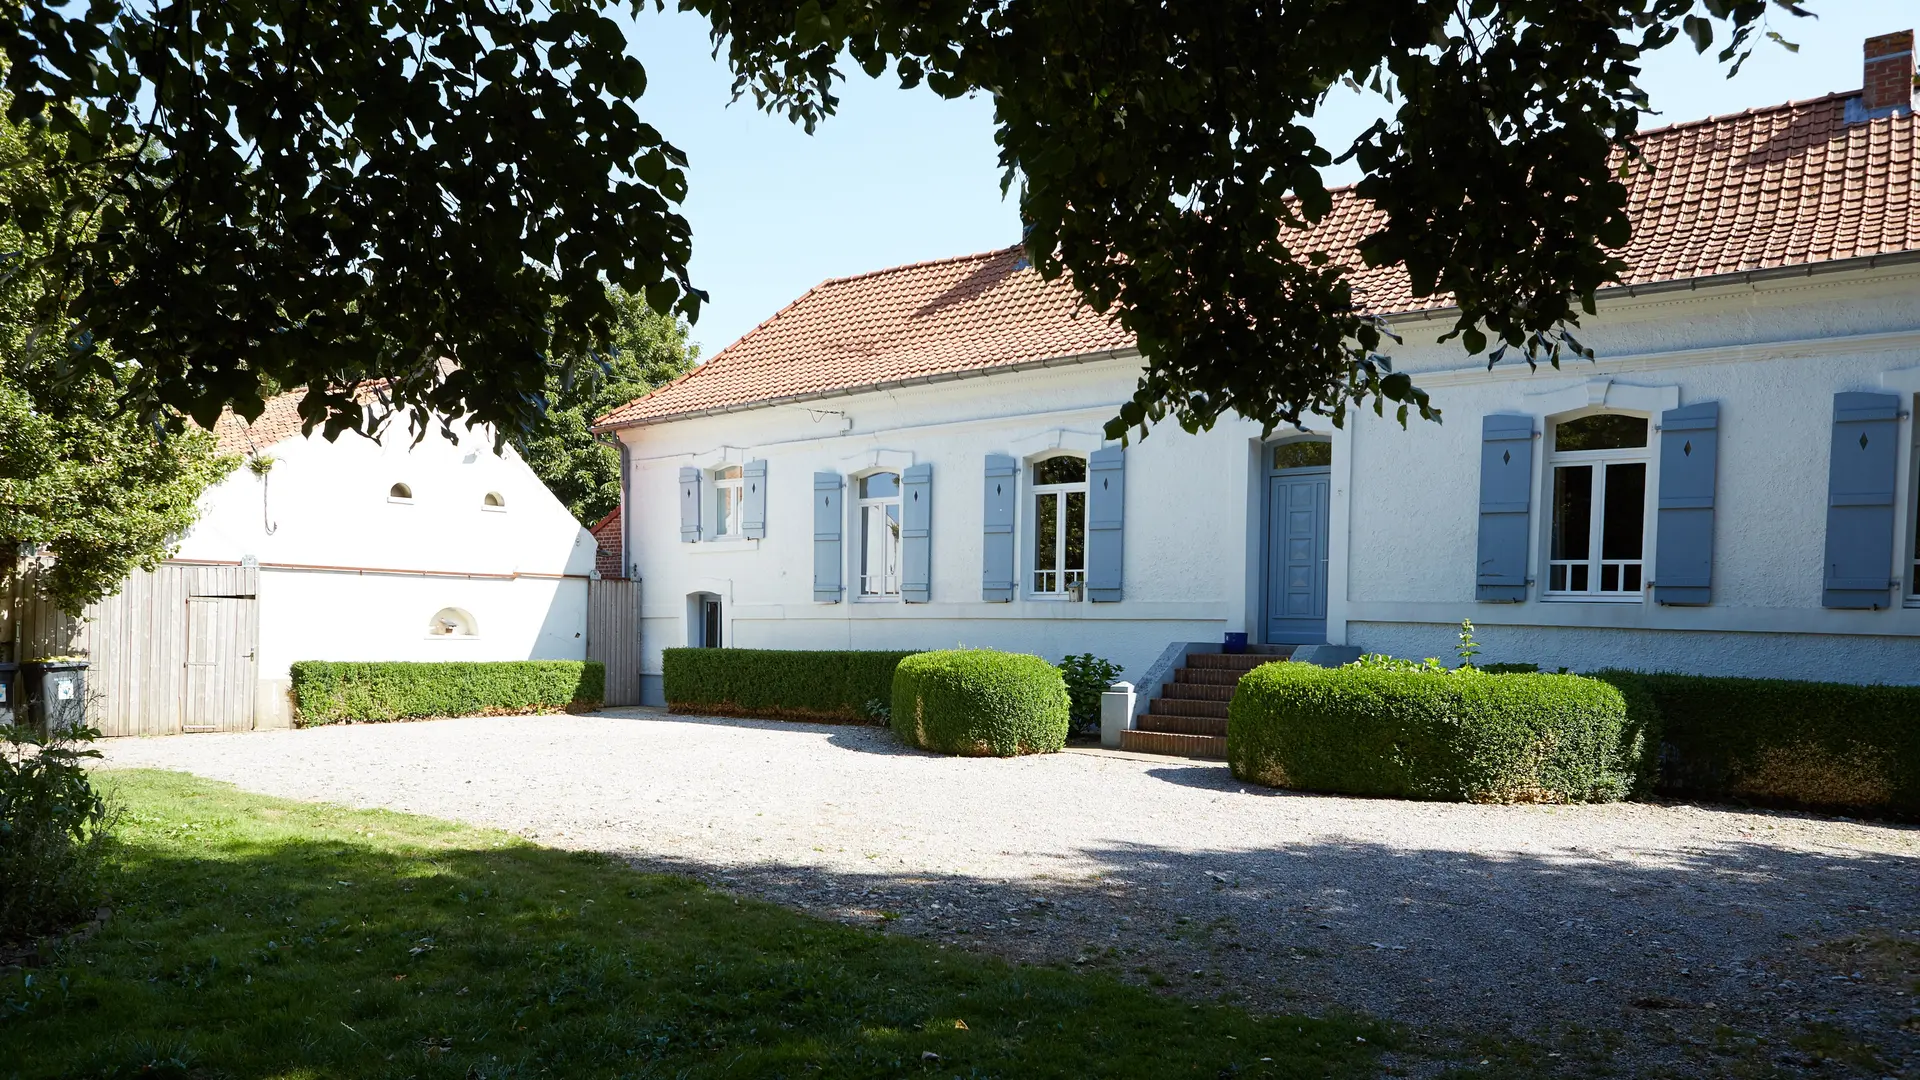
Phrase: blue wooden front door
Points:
(1296, 597)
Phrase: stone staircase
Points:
(1189, 717)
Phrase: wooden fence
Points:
(613, 636)
(174, 650)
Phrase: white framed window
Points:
(880, 535)
(1598, 467)
(1060, 526)
(729, 499)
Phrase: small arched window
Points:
(493, 501)
(451, 622)
(400, 493)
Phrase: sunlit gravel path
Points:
(1629, 939)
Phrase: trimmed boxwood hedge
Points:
(779, 684)
(1464, 735)
(979, 702)
(1781, 742)
(332, 692)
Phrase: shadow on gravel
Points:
(1216, 778)
(1684, 960)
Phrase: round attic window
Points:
(493, 501)
(451, 622)
(399, 493)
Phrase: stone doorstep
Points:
(1162, 706)
(1167, 742)
(1184, 725)
(1197, 691)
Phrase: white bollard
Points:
(1116, 714)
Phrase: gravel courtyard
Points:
(1627, 939)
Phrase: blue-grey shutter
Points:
(689, 504)
(828, 520)
(1689, 459)
(1506, 497)
(996, 561)
(1866, 429)
(1106, 511)
(753, 515)
(916, 534)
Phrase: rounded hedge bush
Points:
(979, 702)
(1461, 736)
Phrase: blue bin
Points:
(1235, 643)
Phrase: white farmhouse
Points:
(353, 549)
(914, 457)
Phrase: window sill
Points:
(1055, 598)
(723, 544)
(876, 599)
(1588, 598)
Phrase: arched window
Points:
(493, 501)
(1060, 526)
(399, 493)
(452, 622)
(1598, 547)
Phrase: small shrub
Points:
(1087, 677)
(54, 829)
(332, 692)
(1426, 733)
(835, 686)
(979, 702)
(1468, 647)
(1383, 662)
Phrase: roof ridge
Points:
(1721, 118)
(923, 263)
(796, 302)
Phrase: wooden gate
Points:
(173, 650)
(613, 636)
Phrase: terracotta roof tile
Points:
(279, 420)
(1782, 186)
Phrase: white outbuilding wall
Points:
(1404, 514)
(348, 572)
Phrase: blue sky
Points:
(900, 176)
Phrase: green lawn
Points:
(254, 937)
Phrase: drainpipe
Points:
(626, 511)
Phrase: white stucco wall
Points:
(1404, 502)
(348, 574)
(1772, 355)
(1175, 589)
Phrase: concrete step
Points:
(1198, 691)
(1166, 742)
(1163, 706)
(1184, 725)
(1227, 677)
(1229, 661)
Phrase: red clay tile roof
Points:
(607, 554)
(1789, 185)
(279, 420)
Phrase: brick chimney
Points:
(1887, 88)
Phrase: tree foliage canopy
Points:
(81, 478)
(646, 349)
(323, 191)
